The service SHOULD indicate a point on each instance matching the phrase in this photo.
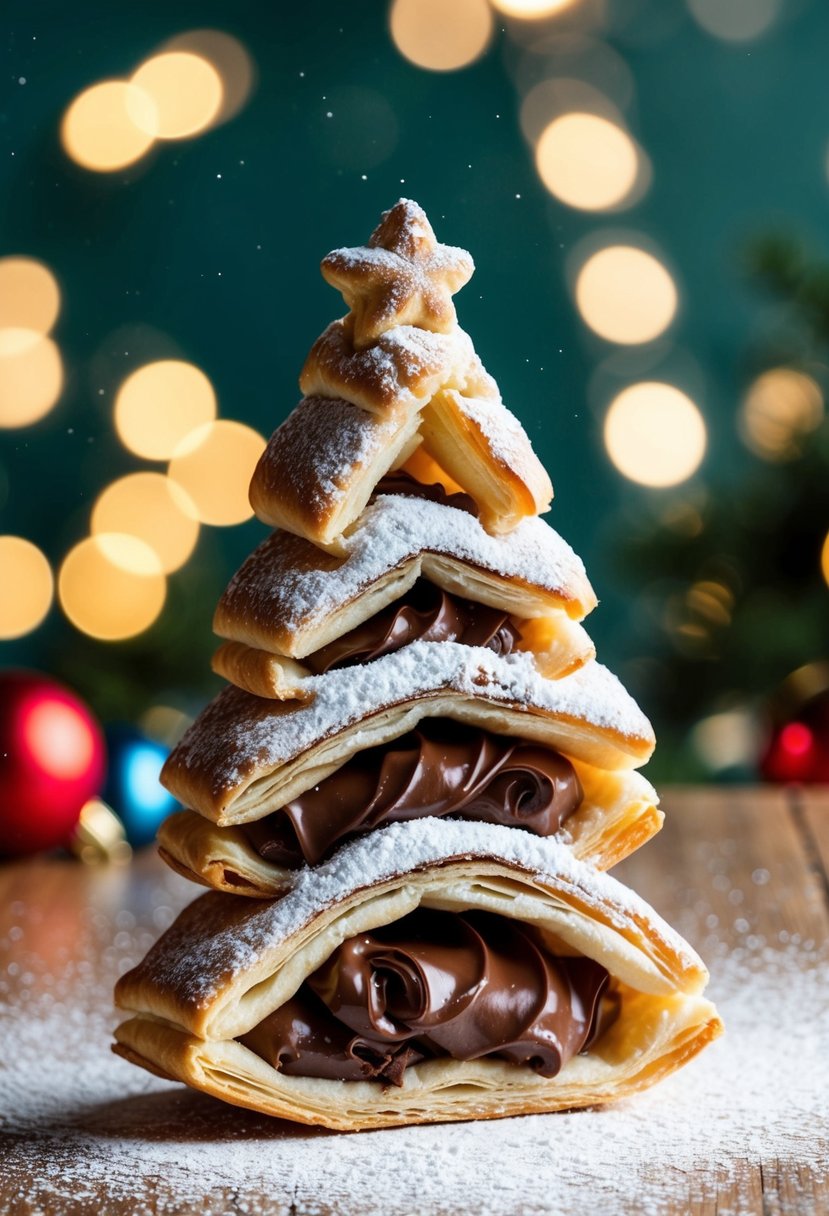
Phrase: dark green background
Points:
(169, 259)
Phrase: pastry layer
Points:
(227, 964)
(320, 466)
(244, 756)
(289, 598)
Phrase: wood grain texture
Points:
(733, 870)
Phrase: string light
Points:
(734, 20)
(160, 404)
(655, 434)
(625, 294)
(109, 126)
(587, 161)
(780, 409)
(441, 36)
(186, 92)
(214, 466)
(111, 586)
(153, 508)
(31, 376)
(29, 295)
(26, 587)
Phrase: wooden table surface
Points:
(733, 870)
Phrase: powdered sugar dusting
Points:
(402, 368)
(504, 434)
(198, 957)
(275, 584)
(238, 733)
(309, 470)
(83, 1131)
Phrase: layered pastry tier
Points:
(464, 965)
(289, 600)
(396, 373)
(245, 756)
(441, 768)
(469, 986)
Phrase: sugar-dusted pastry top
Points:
(398, 373)
(219, 937)
(410, 375)
(288, 586)
(240, 738)
(402, 276)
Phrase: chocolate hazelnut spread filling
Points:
(440, 768)
(467, 986)
(400, 482)
(424, 614)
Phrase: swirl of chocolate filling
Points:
(400, 482)
(439, 768)
(425, 614)
(433, 984)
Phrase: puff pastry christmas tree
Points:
(418, 770)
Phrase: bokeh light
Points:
(625, 294)
(587, 161)
(29, 295)
(31, 376)
(164, 723)
(734, 20)
(727, 740)
(111, 586)
(530, 10)
(214, 466)
(824, 559)
(655, 434)
(109, 126)
(186, 92)
(229, 58)
(438, 35)
(153, 508)
(559, 95)
(26, 587)
(160, 404)
(782, 406)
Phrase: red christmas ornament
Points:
(52, 760)
(798, 745)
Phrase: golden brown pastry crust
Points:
(397, 374)
(321, 465)
(227, 963)
(483, 446)
(244, 756)
(402, 276)
(291, 598)
(665, 1033)
(397, 350)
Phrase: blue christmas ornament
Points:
(133, 789)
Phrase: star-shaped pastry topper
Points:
(401, 277)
